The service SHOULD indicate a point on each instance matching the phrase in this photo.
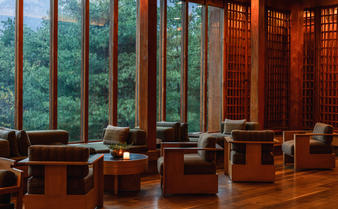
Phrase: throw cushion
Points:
(116, 135)
(230, 125)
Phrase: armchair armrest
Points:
(231, 141)
(313, 134)
(6, 163)
(92, 159)
(177, 144)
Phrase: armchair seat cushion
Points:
(316, 147)
(193, 164)
(75, 186)
(240, 158)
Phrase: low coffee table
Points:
(124, 175)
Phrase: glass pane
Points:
(174, 59)
(194, 66)
(126, 63)
(69, 67)
(36, 36)
(7, 63)
(98, 67)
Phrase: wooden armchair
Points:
(248, 156)
(64, 177)
(189, 170)
(309, 150)
(12, 183)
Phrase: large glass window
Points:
(69, 67)
(7, 62)
(36, 35)
(194, 66)
(174, 28)
(126, 62)
(98, 67)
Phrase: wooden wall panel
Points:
(277, 69)
(328, 71)
(308, 73)
(238, 62)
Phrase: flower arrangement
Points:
(117, 150)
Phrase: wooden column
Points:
(204, 70)
(85, 71)
(214, 96)
(296, 66)
(162, 100)
(184, 62)
(113, 67)
(53, 60)
(146, 67)
(257, 61)
(18, 65)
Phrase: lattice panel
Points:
(308, 69)
(277, 69)
(238, 61)
(328, 70)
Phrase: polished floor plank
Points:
(305, 189)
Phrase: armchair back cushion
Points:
(137, 136)
(184, 132)
(322, 128)
(116, 135)
(48, 137)
(10, 135)
(230, 125)
(175, 125)
(207, 141)
(4, 148)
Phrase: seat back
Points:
(207, 141)
(322, 128)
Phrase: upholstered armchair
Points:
(11, 181)
(308, 150)
(249, 156)
(64, 177)
(172, 131)
(188, 168)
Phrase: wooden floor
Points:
(306, 189)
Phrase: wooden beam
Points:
(53, 60)
(113, 62)
(257, 61)
(19, 65)
(85, 71)
(204, 70)
(214, 96)
(146, 67)
(184, 62)
(163, 61)
(296, 66)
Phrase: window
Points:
(98, 67)
(69, 67)
(7, 63)
(194, 66)
(174, 28)
(126, 62)
(36, 34)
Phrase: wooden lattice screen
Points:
(328, 69)
(237, 70)
(308, 70)
(277, 69)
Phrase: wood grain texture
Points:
(18, 118)
(113, 62)
(305, 189)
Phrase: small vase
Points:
(116, 153)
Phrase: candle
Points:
(126, 156)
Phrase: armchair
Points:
(172, 131)
(11, 181)
(249, 156)
(309, 150)
(64, 177)
(188, 170)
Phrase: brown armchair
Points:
(64, 177)
(189, 170)
(11, 181)
(249, 156)
(309, 150)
